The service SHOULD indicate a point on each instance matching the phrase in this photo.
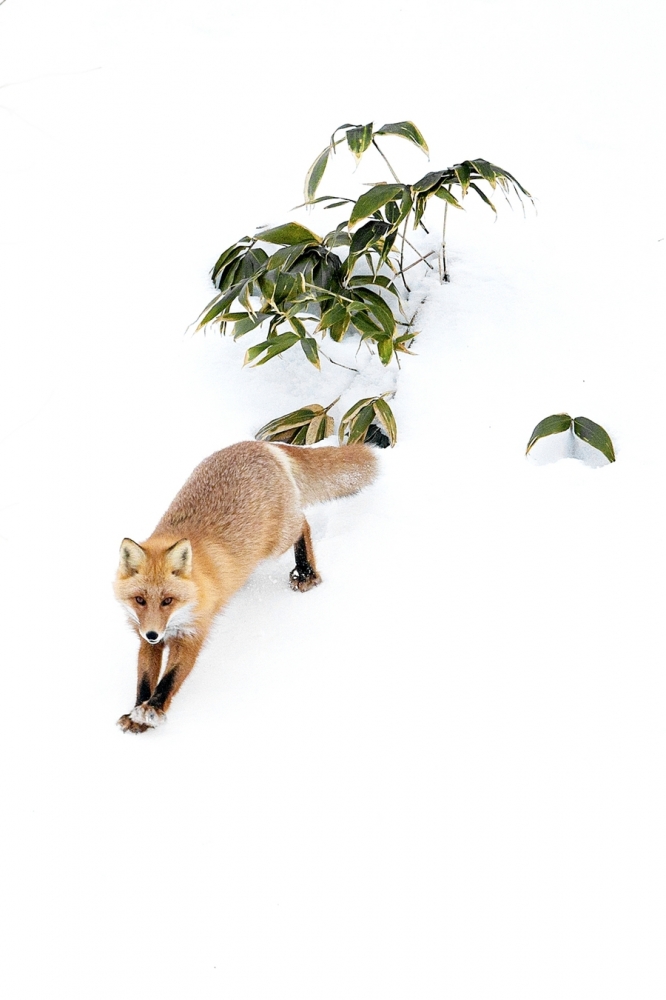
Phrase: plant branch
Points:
(340, 365)
(402, 255)
(425, 256)
(393, 173)
(412, 247)
(443, 273)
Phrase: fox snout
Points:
(152, 637)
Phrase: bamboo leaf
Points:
(555, 424)
(486, 170)
(359, 138)
(300, 436)
(595, 435)
(407, 130)
(274, 346)
(385, 349)
(384, 415)
(288, 422)
(288, 234)
(249, 323)
(356, 408)
(462, 172)
(316, 430)
(432, 180)
(340, 128)
(446, 195)
(229, 255)
(286, 257)
(337, 198)
(339, 329)
(219, 305)
(374, 199)
(297, 327)
(315, 174)
(309, 345)
(368, 234)
(367, 326)
(356, 422)
(379, 309)
(338, 238)
(334, 314)
(482, 196)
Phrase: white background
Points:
(440, 775)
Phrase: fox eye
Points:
(140, 600)
(167, 601)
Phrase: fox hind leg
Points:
(304, 575)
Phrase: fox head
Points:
(154, 584)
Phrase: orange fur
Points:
(239, 506)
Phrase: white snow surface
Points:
(441, 773)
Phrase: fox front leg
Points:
(151, 712)
(148, 670)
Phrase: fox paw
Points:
(303, 580)
(148, 715)
(128, 725)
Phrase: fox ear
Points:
(132, 557)
(179, 558)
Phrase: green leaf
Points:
(219, 305)
(486, 170)
(374, 279)
(374, 199)
(358, 139)
(272, 347)
(289, 234)
(309, 345)
(357, 407)
(367, 326)
(407, 130)
(286, 257)
(462, 172)
(595, 435)
(315, 174)
(384, 415)
(432, 180)
(368, 234)
(297, 418)
(445, 195)
(316, 430)
(248, 323)
(335, 314)
(385, 349)
(230, 254)
(483, 196)
(337, 198)
(338, 238)
(339, 329)
(555, 424)
(357, 426)
(379, 309)
(340, 128)
(297, 327)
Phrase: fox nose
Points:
(152, 636)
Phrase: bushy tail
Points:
(326, 473)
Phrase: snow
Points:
(440, 773)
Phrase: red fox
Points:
(239, 506)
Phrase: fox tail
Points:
(327, 473)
